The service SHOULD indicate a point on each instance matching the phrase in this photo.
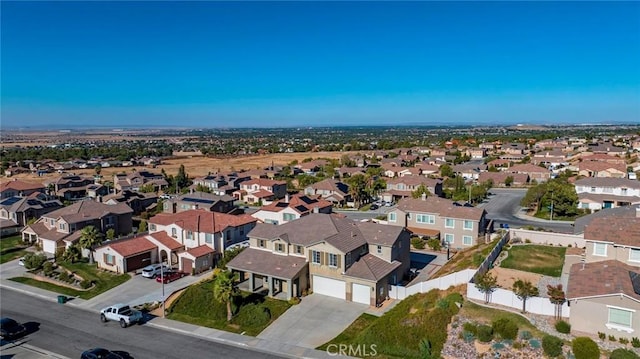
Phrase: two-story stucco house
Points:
(332, 255)
(59, 229)
(133, 181)
(199, 200)
(291, 208)
(459, 226)
(261, 190)
(597, 193)
(401, 187)
(15, 212)
(332, 190)
(70, 187)
(17, 188)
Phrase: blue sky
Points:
(241, 64)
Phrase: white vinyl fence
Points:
(457, 278)
(507, 298)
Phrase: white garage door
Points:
(330, 287)
(361, 294)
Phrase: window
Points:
(152, 227)
(62, 226)
(619, 317)
(288, 217)
(600, 249)
(279, 247)
(634, 255)
(448, 238)
(467, 240)
(449, 223)
(189, 235)
(299, 250)
(228, 237)
(174, 233)
(51, 223)
(262, 243)
(593, 189)
(391, 217)
(208, 238)
(109, 259)
(333, 260)
(379, 249)
(425, 218)
(468, 225)
(623, 191)
(315, 257)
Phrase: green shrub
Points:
(585, 348)
(417, 243)
(294, 300)
(563, 327)
(551, 345)
(47, 268)
(34, 261)
(624, 341)
(612, 338)
(635, 342)
(470, 327)
(484, 333)
(525, 335)
(63, 277)
(85, 284)
(506, 328)
(253, 315)
(602, 336)
(517, 345)
(623, 354)
(434, 244)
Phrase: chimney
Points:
(424, 196)
(316, 210)
(286, 198)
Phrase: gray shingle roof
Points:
(608, 182)
(370, 267)
(441, 206)
(266, 263)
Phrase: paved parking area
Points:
(313, 322)
(20, 350)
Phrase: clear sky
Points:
(263, 64)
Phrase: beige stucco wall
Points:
(118, 265)
(457, 231)
(591, 315)
(613, 252)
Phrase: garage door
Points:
(361, 294)
(138, 261)
(187, 265)
(330, 287)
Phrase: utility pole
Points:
(551, 215)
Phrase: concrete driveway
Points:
(313, 322)
(139, 290)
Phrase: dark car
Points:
(10, 329)
(102, 353)
(374, 207)
(169, 276)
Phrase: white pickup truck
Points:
(121, 313)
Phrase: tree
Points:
(508, 181)
(422, 189)
(143, 226)
(446, 171)
(90, 237)
(111, 234)
(357, 185)
(147, 188)
(72, 254)
(486, 284)
(556, 297)
(98, 170)
(524, 290)
(224, 290)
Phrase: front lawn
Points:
(11, 248)
(103, 280)
(545, 260)
(398, 333)
(252, 312)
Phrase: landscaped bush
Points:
(47, 268)
(623, 354)
(585, 348)
(417, 243)
(434, 244)
(635, 342)
(468, 336)
(624, 341)
(506, 328)
(63, 277)
(253, 315)
(525, 335)
(85, 284)
(294, 300)
(484, 333)
(563, 327)
(517, 345)
(612, 338)
(602, 336)
(470, 327)
(34, 261)
(552, 346)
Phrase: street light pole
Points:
(162, 280)
(551, 216)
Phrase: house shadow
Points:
(253, 298)
(421, 260)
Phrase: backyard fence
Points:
(556, 239)
(507, 298)
(495, 252)
(453, 279)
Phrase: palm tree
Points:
(486, 284)
(557, 297)
(524, 290)
(224, 289)
(72, 254)
(90, 237)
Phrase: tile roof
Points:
(527, 168)
(618, 212)
(599, 198)
(370, 267)
(621, 231)
(601, 166)
(330, 184)
(19, 185)
(37, 228)
(88, 209)
(166, 240)
(414, 180)
(376, 233)
(300, 203)
(500, 177)
(442, 206)
(200, 251)
(267, 263)
(263, 182)
(132, 246)
(613, 277)
(424, 231)
(200, 220)
(608, 182)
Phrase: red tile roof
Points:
(200, 220)
(19, 185)
(200, 251)
(166, 240)
(132, 246)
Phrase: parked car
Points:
(102, 353)
(21, 261)
(10, 329)
(170, 276)
(373, 207)
(121, 313)
(153, 270)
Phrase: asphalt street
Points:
(69, 331)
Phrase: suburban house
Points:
(433, 217)
(513, 148)
(334, 256)
(332, 190)
(135, 180)
(550, 158)
(499, 179)
(17, 188)
(197, 227)
(469, 171)
(476, 153)
(220, 183)
(139, 202)
(291, 208)
(596, 193)
(427, 169)
(535, 173)
(261, 190)
(61, 228)
(613, 238)
(70, 187)
(200, 200)
(15, 212)
(401, 187)
(604, 297)
(311, 167)
(601, 169)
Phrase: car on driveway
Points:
(170, 276)
(153, 270)
(10, 329)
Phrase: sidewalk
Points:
(527, 217)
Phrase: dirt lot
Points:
(506, 277)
